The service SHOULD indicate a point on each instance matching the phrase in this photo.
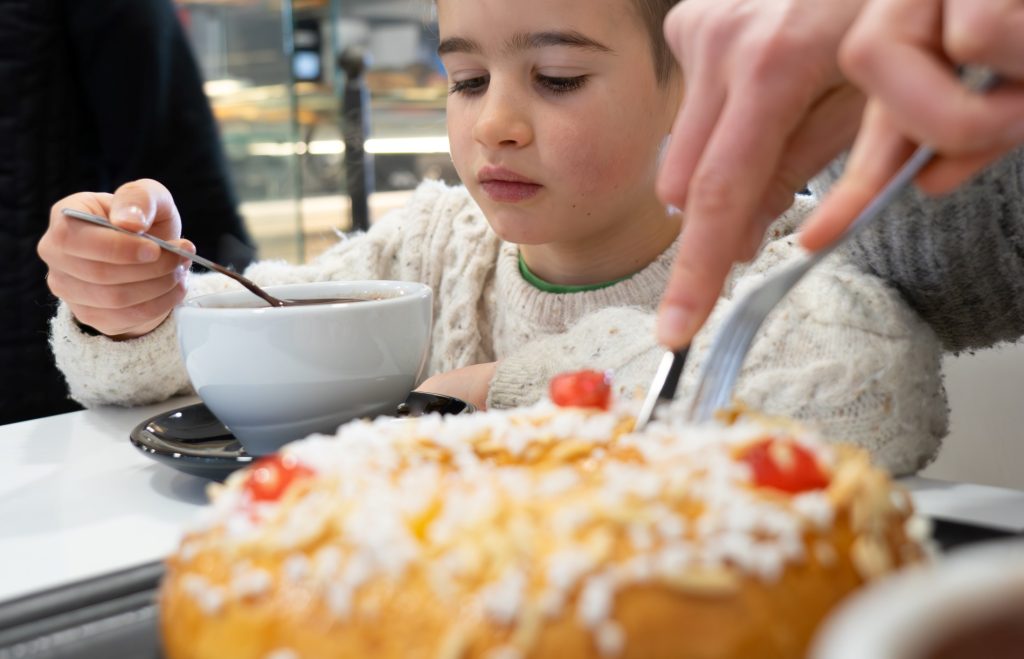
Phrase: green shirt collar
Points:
(548, 287)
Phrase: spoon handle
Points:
(104, 222)
(195, 258)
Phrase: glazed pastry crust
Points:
(244, 594)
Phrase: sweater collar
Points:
(548, 287)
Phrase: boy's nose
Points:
(502, 122)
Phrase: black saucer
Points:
(191, 439)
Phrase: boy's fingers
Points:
(139, 205)
(105, 273)
(82, 240)
(113, 297)
(131, 321)
(103, 245)
(146, 205)
(97, 203)
(52, 244)
(101, 274)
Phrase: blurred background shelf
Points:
(273, 79)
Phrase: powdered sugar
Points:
(538, 507)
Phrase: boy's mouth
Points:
(504, 185)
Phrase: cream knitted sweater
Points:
(843, 352)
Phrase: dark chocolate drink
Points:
(326, 300)
(997, 636)
(306, 302)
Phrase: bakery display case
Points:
(275, 81)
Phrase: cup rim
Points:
(409, 290)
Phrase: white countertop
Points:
(78, 500)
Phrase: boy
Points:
(552, 257)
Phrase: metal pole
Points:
(355, 125)
(288, 37)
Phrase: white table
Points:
(77, 500)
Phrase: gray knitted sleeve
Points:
(958, 260)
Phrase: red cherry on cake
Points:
(272, 475)
(784, 465)
(582, 389)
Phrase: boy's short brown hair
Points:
(652, 15)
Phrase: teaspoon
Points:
(244, 281)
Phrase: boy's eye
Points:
(554, 84)
(562, 85)
(470, 86)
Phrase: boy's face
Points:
(555, 115)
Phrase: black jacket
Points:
(94, 93)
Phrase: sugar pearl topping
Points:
(536, 512)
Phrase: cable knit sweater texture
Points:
(843, 352)
(958, 260)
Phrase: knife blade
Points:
(663, 387)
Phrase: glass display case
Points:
(274, 79)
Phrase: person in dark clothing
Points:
(95, 93)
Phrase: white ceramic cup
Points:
(274, 374)
(909, 614)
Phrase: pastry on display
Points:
(546, 531)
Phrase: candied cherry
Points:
(784, 465)
(582, 389)
(270, 476)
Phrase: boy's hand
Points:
(765, 108)
(471, 383)
(120, 285)
(900, 52)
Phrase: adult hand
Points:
(901, 53)
(120, 285)
(471, 383)
(766, 108)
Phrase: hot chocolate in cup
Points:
(275, 374)
(965, 605)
